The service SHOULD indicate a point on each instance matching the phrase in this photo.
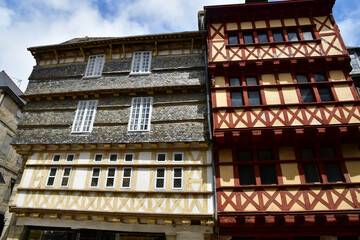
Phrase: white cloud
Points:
(5, 17)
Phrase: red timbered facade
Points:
(286, 122)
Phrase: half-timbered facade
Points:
(285, 122)
(115, 134)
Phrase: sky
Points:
(29, 23)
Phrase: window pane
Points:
(354, 61)
(292, 35)
(236, 99)
(254, 97)
(327, 152)
(307, 95)
(263, 37)
(306, 153)
(251, 81)
(113, 157)
(278, 36)
(307, 34)
(233, 39)
(161, 157)
(318, 77)
(264, 155)
(246, 175)
(268, 174)
(302, 78)
(128, 157)
(56, 157)
(248, 38)
(333, 172)
(234, 82)
(311, 173)
(98, 157)
(178, 157)
(325, 94)
(244, 155)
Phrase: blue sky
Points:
(28, 23)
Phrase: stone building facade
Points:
(116, 137)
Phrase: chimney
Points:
(255, 1)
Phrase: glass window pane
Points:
(264, 155)
(244, 155)
(234, 82)
(254, 97)
(325, 94)
(307, 34)
(268, 174)
(311, 173)
(236, 98)
(306, 153)
(302, 78)
(307, 95)
(292, 35)
(319, 77)
(251, 81)
(263, 37)
(327, 152)
(333, 172)
(248, 38)
(233, 39)
(246, 175)
(278, 36)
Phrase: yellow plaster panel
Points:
(268, 79)
(286, 153)
(225, 155)
(260, 24)
(226, 176)
(318, 24)
(272, 96)
(337, 75)
(290, 173)
(221, 100)
(246, 25)
(334, 51)
(353, 168)
(231, 26)
(275, 23)
(304, 21)
(285, 78)
(221, 31)
(291, 117)
(265, 55)
(289, 22)
(343, 92)
(219, 81)
(310, 48)
(290, 95)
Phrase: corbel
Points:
(56, 56)
(123, 50)
(111, 50)
(192, 46)
(156, 48)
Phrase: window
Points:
(307, 94)
(98, 157)
(51, 177)
(311, 171)
(70, 157)
(319, 77)
(332, 169)
(95, 177)
(6, 144)
(236, 98)
(161, 157)
(233, 38)
(308, 34)
(110, 177)
(126, 178)
(278, 36)
(140, 114)
(95, 65)
(113, 157)
(85, 115)
(325, 94)
(263, 37)
(141, 62)
(56, 158)
(66, 177)
(293, 36)
(248, 38)
(177, 178)
(234, 82)
(253, 95)
(355, 62)
(302, 78)
(251, 81)
(178, 157)
(129, 157)
(160, 178)
(246, 172)
(267, 171)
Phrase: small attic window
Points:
(95, 66)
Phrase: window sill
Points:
(140, 74)
(274, 43)
(90, 77)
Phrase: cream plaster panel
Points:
(218, 47)
(209, 180)
(20, 198)
(246, 25)
(210, 203)
(217, 36)
(337, 75)
(220, 82)
(84, 158)
(290, 95)
(343, 92)
(272, 96)
(231, 26)
(225, 155)
(334, 51)
(33, 158)
(353, 168)
(350, 151)
(195, 155)
(226, 176)
(275, 23)
(318, 24)
(221, 100)
(289, 22)
(304, 21)
(290, 173)
(26, 178)
(268, 79)
(260, 24)
(145, 158)
(79, 176)
(143, 179)
(285, 78)
(286, 153)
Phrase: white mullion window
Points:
(126, 177)
(98, 157)
(129, 157)
(177, 181)
(85, 116)
(95, 177)
(70, 157)
(140, 114)
(160, 178)
(110, 177)
(95, 65)
(161, 157)
(51, 177)
(178, 157)
(113, 157)
(141, 62)
(65, 179)
(56, 157)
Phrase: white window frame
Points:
(102, 157)
(108, 177)
(56, 154)
(137, 121)
(357, 59)
(138, 64)
(92, 176)
(70, 154)
(117, 157)
(130, 177)
(85, 109)
(173, 178)
(132, 157)
(63, 176)
(95, 66)
(182, 158)
(49, 176)
(157, 157)
(156, 178)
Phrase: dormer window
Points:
(95, 65)
(141, 62)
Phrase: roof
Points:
(7, 84)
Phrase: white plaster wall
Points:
(209, 179)
(144, 158)
(27, 177)
(143, 179)
(84, 157)
(80, 178)
(33, 158)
